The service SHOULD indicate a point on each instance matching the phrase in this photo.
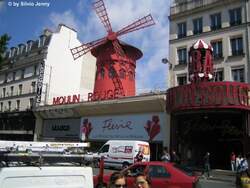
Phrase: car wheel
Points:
(125, 165)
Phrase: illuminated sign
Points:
(209, 95)
(66, 99)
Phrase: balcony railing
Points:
(189, 5)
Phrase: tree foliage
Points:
(4, 39)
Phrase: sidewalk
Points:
(221, 175)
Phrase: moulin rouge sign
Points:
(97, 96)
(209, 95)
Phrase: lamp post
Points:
(170, 79)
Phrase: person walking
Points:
(139, 156)
(117, 180)
(175, 158)
(166, 156)
(207, 164)
(233, 161)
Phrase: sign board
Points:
(61, 128)
(40, 83)
(148, 127)
(209, 95)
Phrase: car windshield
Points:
(184, 169)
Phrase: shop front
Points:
(134, 118)
(211, 117)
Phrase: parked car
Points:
(122, 153)
(162, 174)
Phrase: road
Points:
(218, 181)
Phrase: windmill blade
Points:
(101, 11)
(146, 21)
(85, 48)
(118, 48)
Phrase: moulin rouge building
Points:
(208, 116)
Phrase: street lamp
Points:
(170, 71)
(166, 61)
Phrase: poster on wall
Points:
(61, 128)
(127, 127)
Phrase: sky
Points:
(23, 23)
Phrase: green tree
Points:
(4, 39)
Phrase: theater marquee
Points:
(209, 95)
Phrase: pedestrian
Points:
(244, 167)
(233, 161)
(117, 180)
(237, 162)
(139, 156)
(207, 164)
(175, 158)
(142, 181)
(166, 156)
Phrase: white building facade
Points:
(223, 24)
(34, 73)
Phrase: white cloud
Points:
(68, 18)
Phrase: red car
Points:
(162, 175)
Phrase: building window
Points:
(182, 30)
(4, 92)
(182, 55)
(20, 89)
(14, 76)
(197, 26)
(1, 107)
(235, 16)
(33, 87)
(6, 78)
(41, 41)
(9, 103)
(31, 102)
(23, 72)
(238, 75)
(35, 70)
(217, 49)
(18, 105)
(237, 46)
(182, 80)
(11, 90)
(215, 21)
(218, 76)
(29, 45)
(122, 74)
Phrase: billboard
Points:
(147, 127)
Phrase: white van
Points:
(46, 177)
(122, 153)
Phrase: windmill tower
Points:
(116, 60)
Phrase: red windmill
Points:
(116, 60)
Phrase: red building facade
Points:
(208, 116)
